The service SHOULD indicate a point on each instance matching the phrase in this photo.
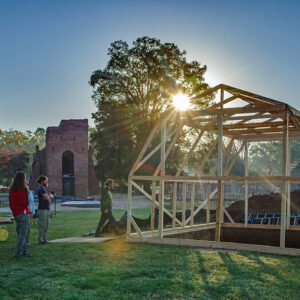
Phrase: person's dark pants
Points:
(22, 225)
(106, 216)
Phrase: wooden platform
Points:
(217, 245)
(84, 240)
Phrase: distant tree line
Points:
(16, 149)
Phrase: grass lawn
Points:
(118, 270)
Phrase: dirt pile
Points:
(270, 203)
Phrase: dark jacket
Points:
(106, 199)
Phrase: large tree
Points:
(131, 92)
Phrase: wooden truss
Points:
(242, 116)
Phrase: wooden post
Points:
(174, 204)
(284, 182)
(220, 202)
(288, 202)
(246, 184)
(208, 204)
(153, 205)
(162, 181)
(218, 213)
(129, 208)
(193, 203)
(183, 203)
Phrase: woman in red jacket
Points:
(19, 206)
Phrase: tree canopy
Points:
(131, 92)
(16, 149)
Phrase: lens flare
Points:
(181, 101)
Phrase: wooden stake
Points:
(153, 205)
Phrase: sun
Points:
(181, 101)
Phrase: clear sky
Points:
(48, 49)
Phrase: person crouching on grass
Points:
(18, 202)
(44, 197)
(106, 209)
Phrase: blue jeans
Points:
(22, 226)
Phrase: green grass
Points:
(118, 270)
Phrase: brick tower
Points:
(65, 159)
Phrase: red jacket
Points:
(18, 202)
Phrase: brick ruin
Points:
(66, 160)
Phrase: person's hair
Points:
(108, 182)
(41, 179)
(19, 181)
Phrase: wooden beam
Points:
(174, 204)
(224, 102)
(162, 182)
(246, 184)
(169, 148)
(228, 153)
(129, 208)
(228, 215)
(240, 110)
(219, 245)
(208, 204)
(156, 203)
(177, 230)
(206, 157)
(146, 145)
(136, 227)
(183, 210)
(193, 203)
(193, 214)
(284, 183)
(234, 159)
(214, 179)
(153, 196)
(218, 213)
(190, 153)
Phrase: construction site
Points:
(267, 221)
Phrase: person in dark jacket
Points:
(106, 208)
(18, 202)
(44, 197)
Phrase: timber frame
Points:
(249, 118)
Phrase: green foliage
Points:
(16, 149)
(131, 92)
(120, 270)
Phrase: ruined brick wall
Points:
(70, 135)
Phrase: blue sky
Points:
(49, 49)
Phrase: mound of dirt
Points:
(270, 203)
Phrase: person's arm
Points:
(47, 196)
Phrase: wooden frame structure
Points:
(237, 115)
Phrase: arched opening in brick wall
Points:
(68, 178)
